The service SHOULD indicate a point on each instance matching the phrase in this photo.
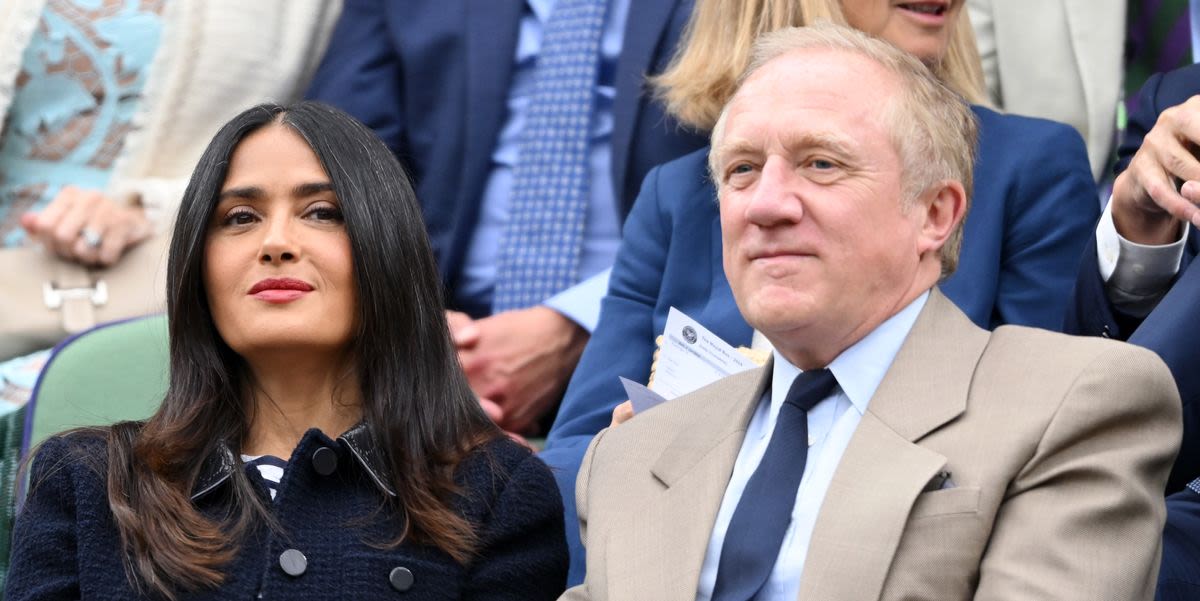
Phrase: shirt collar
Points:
(860, 368)
(358, 442)
(541, 9)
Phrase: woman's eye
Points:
(242, 217)
(325, 213)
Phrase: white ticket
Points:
(693, 357)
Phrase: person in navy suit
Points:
(1139, 282)
(1032, 211)
(446, 84)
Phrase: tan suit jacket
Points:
(1058, 448)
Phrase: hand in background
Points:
(86, 227)
(1147, 205)
(519, 360)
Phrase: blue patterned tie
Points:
(756, 530)
(539, 252)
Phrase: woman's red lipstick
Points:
(280, 290)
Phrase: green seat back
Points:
(111, 373)
(108, 374)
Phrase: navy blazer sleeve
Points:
(1091, 313)
(361, 74)
(1172, 328)
(1050, 214)
(622, 344)
(670, 255)
(44, 543)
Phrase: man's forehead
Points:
(819, 79)
(817, 66)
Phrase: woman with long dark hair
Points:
(318, 439)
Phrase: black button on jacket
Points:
(65, 543)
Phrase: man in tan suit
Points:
(891, 449)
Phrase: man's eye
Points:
(822, 164)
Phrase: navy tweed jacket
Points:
(65, 544)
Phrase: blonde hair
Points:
(703, 74)
(931, 128)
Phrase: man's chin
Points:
(778, 316)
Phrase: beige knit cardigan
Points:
(215, 58)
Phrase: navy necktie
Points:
(541, 246)
(762, 516)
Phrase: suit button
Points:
(293, 562)
(401, 579)
(324, 460)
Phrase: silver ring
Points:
(91, 237)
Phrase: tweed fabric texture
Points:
(539, 253)
(65, 544)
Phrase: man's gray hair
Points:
(932, 128)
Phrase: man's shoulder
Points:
(687, 173)
(1039, 360)
(1029, 134)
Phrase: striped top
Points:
(269, 467)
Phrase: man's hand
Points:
(519, 360)
(1147, 207)
(621, 414)
(86, 227)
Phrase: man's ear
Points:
(941, 208)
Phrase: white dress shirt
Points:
(1136, 276)
(831, 423)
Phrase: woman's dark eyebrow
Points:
(256, 193)
(245, 192)
(312, 188)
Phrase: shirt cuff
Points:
(1135, 275)
(581, 303)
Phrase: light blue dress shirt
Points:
(831, 423)
(602, 229)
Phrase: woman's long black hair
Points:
(416, 401)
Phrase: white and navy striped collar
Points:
(220, 463)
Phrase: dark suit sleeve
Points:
(622, 345)
(1179, 578)
(44, 542)
(1090, 312)
(523, 552)
(362, 73)
(1050, 216)
(1141, 121)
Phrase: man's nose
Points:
(775, 198)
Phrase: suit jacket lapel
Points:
(695, 469)
(882, 471)
(643, 32)
(492, 27)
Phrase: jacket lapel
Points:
(491, 42)
(694, 470)
(882, 471)
(643, 33)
